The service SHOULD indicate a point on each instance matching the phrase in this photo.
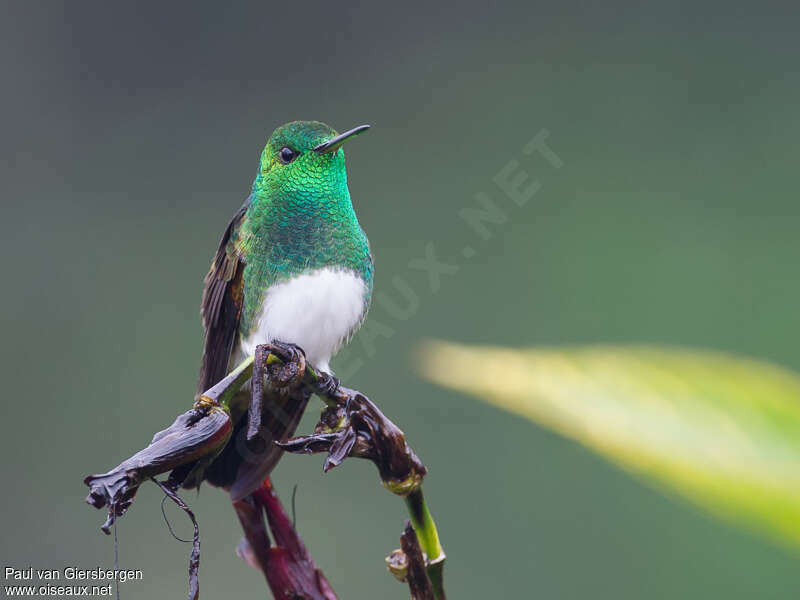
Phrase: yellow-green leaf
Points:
(722, 430)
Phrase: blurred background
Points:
(131, 133)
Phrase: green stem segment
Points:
(223, 392)
(428, 537)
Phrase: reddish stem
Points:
(288, 567)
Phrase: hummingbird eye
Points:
(287, 155)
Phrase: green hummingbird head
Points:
(304, 159)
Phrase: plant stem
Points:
(351, 426)
(428, 536)
(222, 392)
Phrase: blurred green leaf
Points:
(722, 430)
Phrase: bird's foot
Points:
(326, 385)
(285, 364)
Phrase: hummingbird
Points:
(293, 266)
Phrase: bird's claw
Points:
(327, 385)
(289, 369)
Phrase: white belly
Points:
(317, 311)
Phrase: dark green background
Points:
(131, 133)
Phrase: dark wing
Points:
(223, 296)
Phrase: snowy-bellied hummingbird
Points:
(294, 266)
